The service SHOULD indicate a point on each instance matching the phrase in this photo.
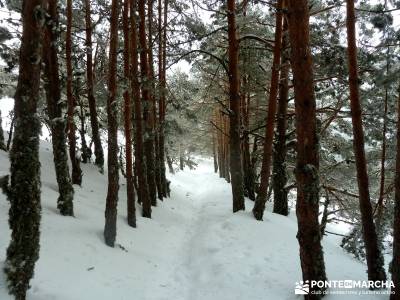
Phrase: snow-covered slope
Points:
(193, 248)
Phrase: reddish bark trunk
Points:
(279, 178)
(98, 149)
(144, 68)
(307, 165)
(155, 174)
(162, 87)
(373, 253)
(259, 205)
(140, 164)
(128, 121)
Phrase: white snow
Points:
(193, 248)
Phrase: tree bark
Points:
(10, 136)
(307, 165)
(259, 204)
(152, 107)
(110, 228)
(24, 191)
(140, 163)
(373, 254)
(128, 121)
(381, 199)
(76, 169)
(2, 141)
(396, 222)
(86, 152)
(148, 144)
(214, 148)
(234, 105)
(162, 35)
(279, 177)
(98, 149)
(54, 109)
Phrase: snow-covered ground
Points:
(193, 248)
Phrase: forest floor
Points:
(193, 248)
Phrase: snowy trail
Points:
(193, 248)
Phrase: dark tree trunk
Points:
(76, 169)
(147, 116)
(24, 191)
(381, 199)
(54, 108)
(249, 171)
(140, 163)
(396, 222)
(259, 204)
(110, 228)
(169, 161)
(98, 149)
(162, 88)
(307, 165)
(181, 158)
(234, 105)
(86, 152)
(10, 136)
(214, 146)
(226, 145)
(221, 157)
(373, 254)
(152, 107)
(279, 177)
(128, 122)
(2, 142)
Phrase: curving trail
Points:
(194, 248)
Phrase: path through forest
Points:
(193, 248)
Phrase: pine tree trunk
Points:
(279, 177)
(234, 105)
(24, 191)
(2, 141)
(307, 165)
(148, 144)
(140, 163)
(249, 172)
(227, 157)
(110, 228)
(162, 87)
(181, 158)
(10, 136)
(86, 152)
(373, 254)
(152, 108)
(128, 121)
(396, 222)
(214, 146)
(381, 199)
(164, 102)
(54, 108)
(221, 160)
(169, 161)
(259, 204)
(98, 149)
(76, 169)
